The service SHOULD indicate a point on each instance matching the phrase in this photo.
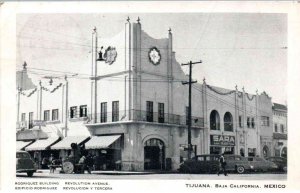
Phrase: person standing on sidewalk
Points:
(222, 167)
(82, 162)
(89, 163)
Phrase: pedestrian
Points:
(222, 167)
(51, 158)
(45, 162)
(81, 163)
(89, 163)
(95, 162)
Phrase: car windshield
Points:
(23, 155)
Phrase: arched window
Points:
(266, 152)
(228, 125)
(284, 152)
(214, 120)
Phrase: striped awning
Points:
(98, 142)
(42, 144)
(66, 142)
(20, 145)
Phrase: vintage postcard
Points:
(149, 96)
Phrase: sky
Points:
(244, 49)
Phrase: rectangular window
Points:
(252, 122)
(275, 128)
(149, 111)
(30, 120)
(161, 112)
(265, 121)
(248, 122)
(46, 115)
(54, 114)
(282, 128)
(115, 111)
(103, 117)
(73, 112)
(83, 111)
(23, 117)
(240, 121)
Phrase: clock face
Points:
(154, 56)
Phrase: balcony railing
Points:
(137, 115)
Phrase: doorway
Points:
(154, 154)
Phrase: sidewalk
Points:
(98, 172)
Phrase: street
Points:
(141, 176)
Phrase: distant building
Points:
(280, 130)
(137, 116)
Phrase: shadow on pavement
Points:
(25, 176)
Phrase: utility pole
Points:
(190, 82)
(95, 84)
(67, 106)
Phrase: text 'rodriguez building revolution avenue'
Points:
(132, 110)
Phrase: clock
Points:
(154, 56)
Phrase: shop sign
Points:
(222, 140)
(39, 123)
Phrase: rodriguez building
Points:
(133, 109)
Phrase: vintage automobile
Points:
(210, 164)
(260, 164)
(281, 162)
(200, 164)
(237, 163)
(24, 163)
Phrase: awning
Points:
(42, 144)
(22, 144)
(98, 142)
(66, 142)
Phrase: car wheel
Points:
(213, 169)
(240, 169)
(29, 174)
(68, 167)
(284, 169)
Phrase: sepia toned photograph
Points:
(149, 96)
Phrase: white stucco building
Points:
(137, 112)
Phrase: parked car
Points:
(210, 164)
(260, 164)
(281, 162)
(237, 163)
(24, 163)
(200, 164)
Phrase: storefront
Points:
(106, 151)
(64, 146)
(41, 149)
(222, 144)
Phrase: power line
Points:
(121, 79)
(161, 48)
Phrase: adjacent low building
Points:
(280, 130)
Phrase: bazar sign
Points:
(224, 140)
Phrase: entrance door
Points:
(154, 154)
